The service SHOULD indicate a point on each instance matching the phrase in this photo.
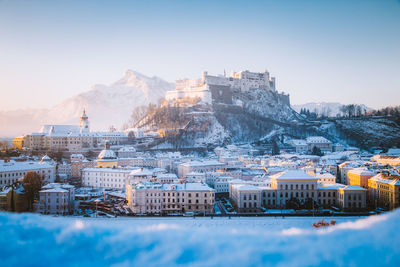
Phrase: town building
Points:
(387, 160)
(352, 198)
(384, 190)
(300, 145)
(360, 176)
(156, 198)
(127, 152)
(56, 198)
(106, 177)
(69, 138)
(325, 177)
(320, 142)
(294, 184)
(14, 200)
(12, 171)
(78, 163)
(199, 166)
(246, 197)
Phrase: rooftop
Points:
(292, 175)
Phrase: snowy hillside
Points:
(36, 240)
(327, 108)
(105, 105)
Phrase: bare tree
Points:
(138, 113)
(32, 184)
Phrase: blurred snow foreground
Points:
(27, 239)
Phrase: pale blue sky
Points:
(345, 51)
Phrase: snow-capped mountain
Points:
(105, 105)
(324, 108)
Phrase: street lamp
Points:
(96, 201)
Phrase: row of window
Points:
(165, 200)
(301, 187)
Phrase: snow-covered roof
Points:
(167, 176)
(53, 129)
(188, 187)
(325, 175)
(246, 187)
(23, 166)
(293, 175)
(117, 170)
(54, 190)
(298, 142)
(317, 139)
(361, 171)
(197, 163)
(329, 186)
(127, 149)
(353, 188)
(106, 154)
(141, 172)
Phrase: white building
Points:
(218, 182)
(325, 177)
(106, 177)
(64, 169)
(11, 171)
(199, 166)
(56, 198)
(246, 197)
(300, 145)
(167, 178)
(293, 184)
(156, 198)
(71, 137)
(320, 142)
(352, 197)
(127, 152)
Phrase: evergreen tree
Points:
(275, 148)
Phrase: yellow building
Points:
(389, 193)
(107, 157)
(18, 142)
(387, 160)
(359, 176)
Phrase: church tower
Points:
(84, 124)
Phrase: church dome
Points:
(107, 153)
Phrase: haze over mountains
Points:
(105, 105)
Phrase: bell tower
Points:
(84, 124)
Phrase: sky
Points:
(334, 51)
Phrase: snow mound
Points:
(33, 240)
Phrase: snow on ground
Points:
(27, 239)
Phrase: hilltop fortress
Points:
(221, 88)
